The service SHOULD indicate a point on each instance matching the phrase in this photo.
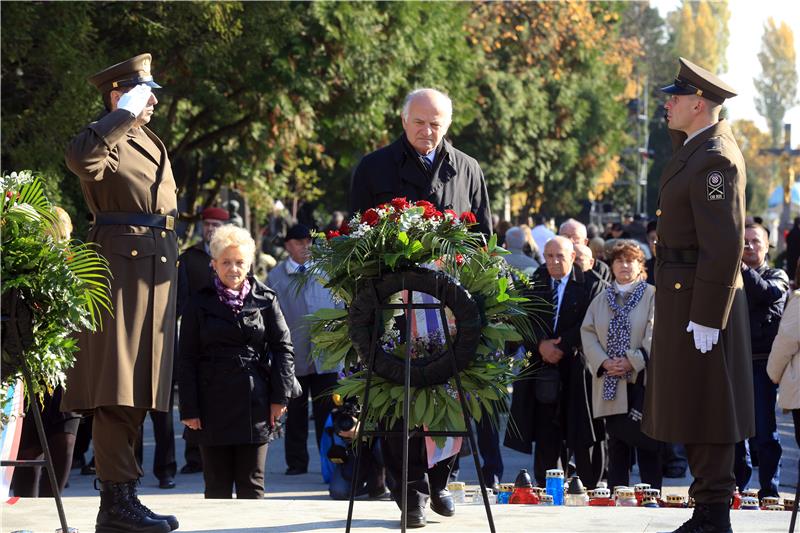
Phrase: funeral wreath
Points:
(411, 246)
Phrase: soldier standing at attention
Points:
(125, 370)
(699, 382)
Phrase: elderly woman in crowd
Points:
(616, 335)
(783, 365)
(236, 369)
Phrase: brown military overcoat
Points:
(694, 397)
(129, 362)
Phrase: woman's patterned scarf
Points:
(231, 297)
(619, 332)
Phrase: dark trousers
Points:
(115, 432)
(419, 488)
(239, 465)
(318, 387)
(619, 464)
(712, 468)
(590, 462)
(766, 441)
(83, 439)
(548, 440)
(164, 464)
(489, 447)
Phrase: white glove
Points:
(704, 337)
(136, 99)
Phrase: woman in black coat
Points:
(236, 369)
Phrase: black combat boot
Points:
(168, 518)
(708, 518)
(695, 523)
(118, 514)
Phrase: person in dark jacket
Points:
(422, 165)
(766, 289)
(793, 248)
(236, 372)
(554, 406)
(195, 273)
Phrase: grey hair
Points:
(230, 235)
(573, 222)
(448, 103)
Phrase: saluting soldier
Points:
(699, 381)
(125, 370)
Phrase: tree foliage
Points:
(699, 32)
(280, 99)
(777, 84)
(760, 180)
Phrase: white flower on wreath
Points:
(361, 230)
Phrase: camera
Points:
(343, 419)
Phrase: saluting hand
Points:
(136, 99)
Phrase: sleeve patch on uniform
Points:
(715, 185)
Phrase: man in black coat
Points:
(766, 289)
(554, 405)
(422, 165)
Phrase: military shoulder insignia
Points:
(715, 185)
(714, 144)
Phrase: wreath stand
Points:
(408, 432)
(11, 321)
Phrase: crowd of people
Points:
(606, 364)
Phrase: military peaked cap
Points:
(693, 79)
(128, 73)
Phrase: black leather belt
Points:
(135, 219)
(676, 255)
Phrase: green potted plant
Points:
(52, 287)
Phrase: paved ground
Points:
(301, 503)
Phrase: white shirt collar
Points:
(292, 265)
(698, 132)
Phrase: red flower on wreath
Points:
(468, 217)
(331, 234)
(459, 259)
(344, 228)
(371, 217)
(400, 204)
(430, 209)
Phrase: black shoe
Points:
(169, 519)
(191, 468)
(166, 482)
(415, 518)
(442, 503)
(379, 493)
(119, 513)
(88, 470)
(294, 471)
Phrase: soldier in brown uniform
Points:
(125, 370)
(699, 382)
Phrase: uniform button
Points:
(163, 234)
(678, 285)
(177, 263)
(658, 212)
(160, 210)
(134, 253)
(163, 259)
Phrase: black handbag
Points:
(628, 427)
